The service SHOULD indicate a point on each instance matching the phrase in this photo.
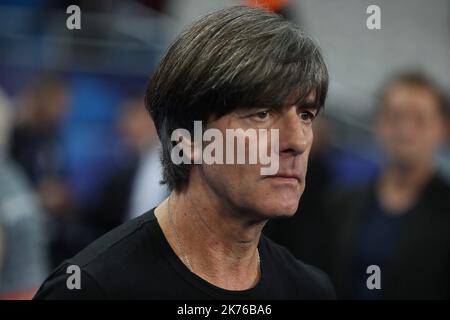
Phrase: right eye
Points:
(307, 116)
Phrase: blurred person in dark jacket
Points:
(23, 243)
(37, 147)
(134, 186)
(41, 108)
(399, 222)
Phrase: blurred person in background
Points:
(37, 147)
(140, 135)
(23, 244)
(134, 186)
(399, 222)
(41, 108)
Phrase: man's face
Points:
(410, 125)
(242, 186)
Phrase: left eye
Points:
(262, 115)
(306, 116)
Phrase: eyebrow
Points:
(308, 105)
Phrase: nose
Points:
(296, 135)
(406, 126)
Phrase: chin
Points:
(279, 209)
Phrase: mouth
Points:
(286, 177)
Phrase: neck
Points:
(410, 176)
(213, 240)
(400, 185)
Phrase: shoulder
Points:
(69, 283)
(118, 242)
(307, 281)
(103, 263)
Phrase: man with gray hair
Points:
(236, 69)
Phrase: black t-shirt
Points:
(135, 261)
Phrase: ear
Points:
(192, 149)
(182, 144)
(196, 148)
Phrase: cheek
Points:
(434, 138)
(385, 128)
(309, 145)
(305, 157)
(230, 176)
(309, 142)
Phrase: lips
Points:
(286, 175)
